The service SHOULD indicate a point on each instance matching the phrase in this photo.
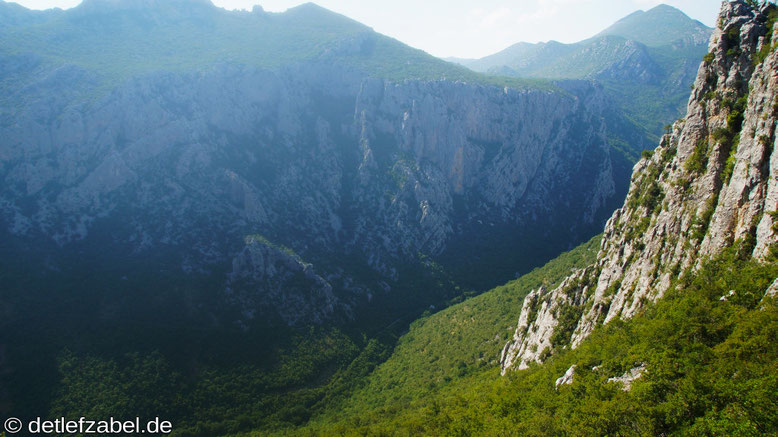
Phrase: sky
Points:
(468, 28)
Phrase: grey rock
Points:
(682, 207)
(567, 378)
(317, 157)
(629, 377)
(265, 276)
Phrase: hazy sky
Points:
(472, 29)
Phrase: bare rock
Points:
(567, 378)
(699, 193)
(629, 377)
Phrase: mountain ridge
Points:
(269, 226)
(683, 28)
(667, 25)
(645, 64)
(667, 331)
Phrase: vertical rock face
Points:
(506, 156)
(710, 185)
(347, 170)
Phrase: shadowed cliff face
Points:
(148, 151)
(179, 168)
(709, 186)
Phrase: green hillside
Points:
(710, 369)
(461, 339)
(119, 40)
(321, 374)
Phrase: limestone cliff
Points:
(370, 169)
(107, 160)
(710, 185)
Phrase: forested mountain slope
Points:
(238, 237)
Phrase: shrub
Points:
(698, 161)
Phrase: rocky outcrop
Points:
(629, 377)
(267, 278)
(710, 185)
(567, 378)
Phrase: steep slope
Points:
(287, 126)
(688, 268)
(689, 364)
(709, 186)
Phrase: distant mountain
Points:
(647, 61)
(121, 39)
(661, 26)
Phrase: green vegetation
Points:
(647, 193)
(702, 222)
(314, 373)
(260, 239)
(215, 399)
(729, 137)
(709, 370)
(768, 46)
(568, 318)
(698, 161)
(461, 340)
(732, 40)
(635, 233)
(729, 165)
(128, 42)
(726, 137)
(650, 106)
